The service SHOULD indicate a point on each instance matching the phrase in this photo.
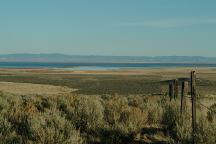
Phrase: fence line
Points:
(194, 98)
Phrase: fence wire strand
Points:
(200, 104)
(205, 107)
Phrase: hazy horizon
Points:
(104, 55)
(103, 58)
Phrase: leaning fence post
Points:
(176, 88)
(184, 92)
(193, 98)
(171, 90)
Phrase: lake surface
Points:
(100, 66)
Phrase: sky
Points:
(109, 27)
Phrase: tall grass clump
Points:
(177, 125)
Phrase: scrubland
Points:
(103, 109)
(69, 118)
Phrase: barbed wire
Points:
(202, 105)
(198, 98)
(205, 107)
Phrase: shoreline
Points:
(143, 71)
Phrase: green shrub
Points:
(114, 107)
(86, 113)
(50, 127)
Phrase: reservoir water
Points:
(101, 66)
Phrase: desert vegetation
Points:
(123, 82)
(109, 109)
(72, 118)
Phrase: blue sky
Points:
(109, 27)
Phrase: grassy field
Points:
(131, 106)
(126, 82)
(28, 88)
(92, 84)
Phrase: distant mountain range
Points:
(103, 59)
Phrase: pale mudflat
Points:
(145, 71)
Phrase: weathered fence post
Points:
(171, 90)
(176, 88)
(184, 92)
(193, 98)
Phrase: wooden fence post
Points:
(176, 88)
(171, 90)
(184, 92)
(193, 98)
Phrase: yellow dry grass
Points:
(28, 88)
